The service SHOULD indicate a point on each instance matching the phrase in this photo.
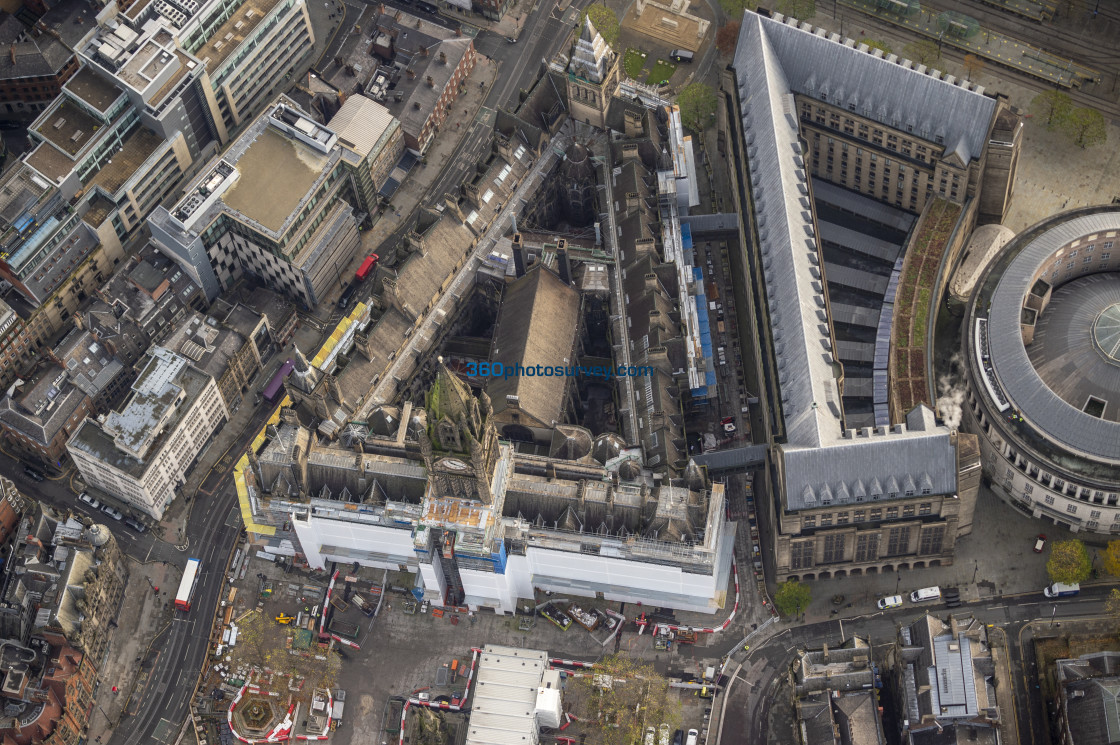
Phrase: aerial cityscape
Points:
(560, 372)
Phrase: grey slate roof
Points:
(1025, 389)
(862, 467)
(772, 62)
(810, 398)
(879, 89)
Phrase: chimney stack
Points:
(518, 256)
(563, 264)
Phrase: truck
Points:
(339, 703)
(343, 628)
(1059, 590)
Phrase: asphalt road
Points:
(519, 64)
(746, 718)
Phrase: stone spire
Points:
(591, 56)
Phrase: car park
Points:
(112, 512)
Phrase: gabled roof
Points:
(537, 326)
(879, 89)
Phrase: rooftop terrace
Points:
(134, 151)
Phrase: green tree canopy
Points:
(1111, 558)
(1051, 107)
(1069, 562)
(924, 51)
(605, 22)
(792, 598)
(622, 696)
(1085, 126)
(698, 104)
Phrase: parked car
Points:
(112, 512)
(139, 527)
(33, 473)
(1039, 543)
(93, 503)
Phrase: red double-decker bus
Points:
(366, 267)
(186, 588)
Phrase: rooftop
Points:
(89, 365)
(537, 325)
(209, 345)
(505, 696)
(360, 124)
(41, 406)
(227, 37)
(262, 197)
(161, 395)
(94, 89)
(50, 161)
(69, 127)
(71, 252)
(33, 58)
(134, 151)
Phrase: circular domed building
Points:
(1043, 350)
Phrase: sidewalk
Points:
(130, 649)
(995, 560)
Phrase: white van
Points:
(692, 737)
(924, 594)
(891, 601)
(1058, 590)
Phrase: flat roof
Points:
(228, 37)
(134, 151)
(50, 161)
(505, 696)
(258, 193)
(68, 127)
(93, 89)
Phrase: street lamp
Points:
(1052, 614)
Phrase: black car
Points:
(678, 737)
(33, 473)
(347, 295)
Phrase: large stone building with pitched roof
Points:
(432, 490)
(807, 107)
(538, 324)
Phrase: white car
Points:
(892, 601)
(111, 512)
(85, 497)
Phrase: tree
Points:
(792, 598)
(698, 104)
(924, 52)
(802, 10)
(604, 20)
(1069, 562)
(1087, 127)
(1112, 605)
(1051, 106)
(622, 696)
(1111, 558)
(727, 37)
(973, 65)
(872, 44)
